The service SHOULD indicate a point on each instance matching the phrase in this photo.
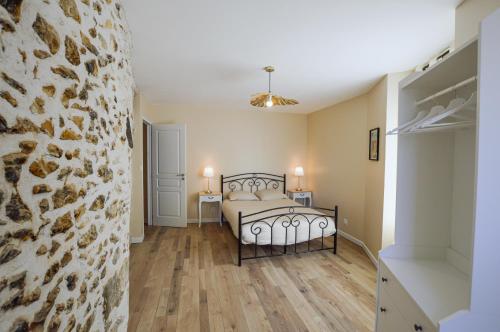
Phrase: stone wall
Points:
(65, 143)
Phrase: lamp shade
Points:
(299, 171)
(208, 172)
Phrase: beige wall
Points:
(235, 142)
(337, 153)
(338, 167)
(137, 205)
(331, 144)
(467, 18)
(374, 173)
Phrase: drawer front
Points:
(210, 198)
(389, 318)
(417, 321)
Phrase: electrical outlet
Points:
(346, 221)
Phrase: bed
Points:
(266, 228)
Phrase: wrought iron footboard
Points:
(288, 217)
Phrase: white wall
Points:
(391, 148)
(463, 192)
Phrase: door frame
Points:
(150, 166)
(148, 153)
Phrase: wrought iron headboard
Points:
(252, 182)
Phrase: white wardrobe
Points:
(443, 272)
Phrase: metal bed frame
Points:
(287, 216)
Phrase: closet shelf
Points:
(447, 90)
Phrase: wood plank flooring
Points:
(186, 280)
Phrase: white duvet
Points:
(279, 231)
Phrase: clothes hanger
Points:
(420, 116)
(456, 105)
(435, 110)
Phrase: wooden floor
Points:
(186, 280)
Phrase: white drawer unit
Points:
(390, 290)
(389, 318)
(304, 195)
(204, 197)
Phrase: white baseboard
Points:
(360, 243)
(203, 220)
(137, 239)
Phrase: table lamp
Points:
(299, 172)
(208, 172)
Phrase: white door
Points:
(168, 175)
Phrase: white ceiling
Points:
(193, 53)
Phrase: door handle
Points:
(182, 174)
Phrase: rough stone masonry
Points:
(66, 92)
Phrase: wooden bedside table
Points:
(204, 197)
(303, 194)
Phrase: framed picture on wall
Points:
(374, 144)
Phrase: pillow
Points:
(269, 195)
(242, 196)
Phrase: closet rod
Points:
(447, 90)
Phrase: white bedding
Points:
(231, 209)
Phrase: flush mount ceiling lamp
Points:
(267, 99)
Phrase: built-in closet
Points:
(443, 272)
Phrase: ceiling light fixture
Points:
(267, 99)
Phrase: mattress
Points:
(320, 225)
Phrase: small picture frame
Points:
(374, 144)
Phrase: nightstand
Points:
(303, 194)
(204, 197)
